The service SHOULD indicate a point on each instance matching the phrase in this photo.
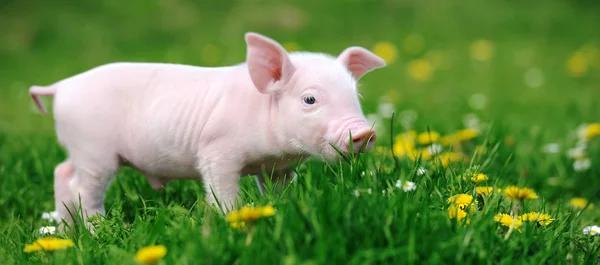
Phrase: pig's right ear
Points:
(359, 61)
(268, 63)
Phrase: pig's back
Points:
(145, 112)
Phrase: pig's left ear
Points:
(268, 63)
(359, 61)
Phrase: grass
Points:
(532, 98)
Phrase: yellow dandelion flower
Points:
(456, 212)
(484, 190)
(541, 218)
(516, 193)
(291, 46)
(448, 140)
(592, 131)
(580, 203)
(449, 157)
(386, 50)
(507, 220)
(466, 134)
(413, 43)
(577, 64)
(481, 50)
(404, 143)
(428, 137)
(150, 255)
(48, 244)
(420, 70)
(250, 214)
(237, 225)
(461, 200)
(414, 154)
(479, 177)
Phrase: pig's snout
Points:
(362, 140)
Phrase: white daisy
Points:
(45, 230)
(581, 165)
(434, 149)
(386, 110)
(421, 171)
(369, 191)
(399, 184)
(576, 152)
(471, 120)
(51, 216)
(551, 148)
(409, 186)
(591, 230)
(356, 193)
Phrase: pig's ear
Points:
(268, 62)
(359, 61)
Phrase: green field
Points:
(523, 74)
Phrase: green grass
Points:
(319, 220)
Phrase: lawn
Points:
(485, 108)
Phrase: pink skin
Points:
(173, 121)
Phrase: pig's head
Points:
(314, 97)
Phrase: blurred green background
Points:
(522, 68)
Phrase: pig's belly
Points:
(154, 163)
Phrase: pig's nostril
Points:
(363, 141)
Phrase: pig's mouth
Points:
(356, 137)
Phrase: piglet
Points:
(172, 121)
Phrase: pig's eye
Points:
(309, 100)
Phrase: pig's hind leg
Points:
(63, 174)
(91, 178)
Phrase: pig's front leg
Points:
(221, 182)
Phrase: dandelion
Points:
(484, 190)
(420, 70)
(577, 65)
(250, 214)
(479, 177)
(237, 225)
(589, 131)
(507, 220)
(580, 203)
(591, 230)
(421, 171)
(449, 157)
(541, 218)
(516, 193)
(551, 148)
(48, 244)
(581, 165)
(386, 50)
(409, 186)
(456, 212)
(45, 230)
(466, 134)
(150, 255)
(404, 143)
(481, 50)
(461, 200)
